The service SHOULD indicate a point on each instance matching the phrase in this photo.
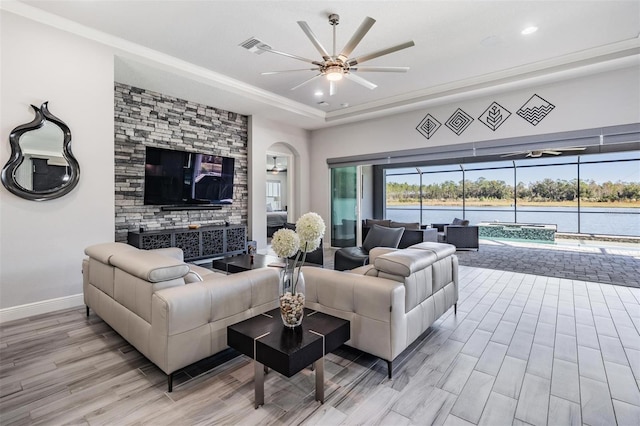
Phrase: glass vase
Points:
(292, 298)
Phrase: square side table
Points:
(272, 345)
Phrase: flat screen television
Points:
(185, 178)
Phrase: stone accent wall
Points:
(144, 118)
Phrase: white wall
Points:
(42, 243)
(604, 99)
(263, 134)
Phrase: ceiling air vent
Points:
(255, 46)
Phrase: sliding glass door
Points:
(344, 206)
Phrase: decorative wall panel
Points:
(213, 242)
(189, 242)
(203, 243)
(156, 241)
(236, 239)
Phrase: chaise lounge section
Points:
(174, 313)
(391, 301)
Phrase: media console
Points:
(190, 207)
(201, 243)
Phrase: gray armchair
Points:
(459, 233)
(379, 236)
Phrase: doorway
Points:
(278, 191)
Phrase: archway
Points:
(280, 203)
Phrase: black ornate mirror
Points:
(41, 166)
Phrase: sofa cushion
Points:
(149, 266)
(199, 274)
(368, 270)
(439, 249)
(405, 225)
(404, 262)
(174, 252)
(380, 236)
(381, 222)
(104, 251)
(379, 251)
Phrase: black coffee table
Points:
(242, 262)
(272, 345)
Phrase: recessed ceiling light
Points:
(529, 30)
(318, 93)
(344, 105)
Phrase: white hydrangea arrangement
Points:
(310, 227)
(286, 243)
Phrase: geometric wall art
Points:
(494, 116)
(459, 121)
(535, 109)
(428, 126)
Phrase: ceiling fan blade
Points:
(373, 55)
(360, 80)
(551, 152)
(379, 69)
(356, 38)
(306, 81)
(286, 71)
(333, 88)
(289, 55)
(307, 30)
(571, 149)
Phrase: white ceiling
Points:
(191, 48)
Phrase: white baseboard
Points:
(42, 307)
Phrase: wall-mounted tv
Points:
(185, 178)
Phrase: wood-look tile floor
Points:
(523, 349)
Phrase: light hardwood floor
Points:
(523, 349)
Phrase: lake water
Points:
(593, 220)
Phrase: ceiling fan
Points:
(336, 66)
(275, 169)
(537, 153)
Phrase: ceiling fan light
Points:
(334, 73)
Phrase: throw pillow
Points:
(381, 236)
(457, 221)
(269, 208)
